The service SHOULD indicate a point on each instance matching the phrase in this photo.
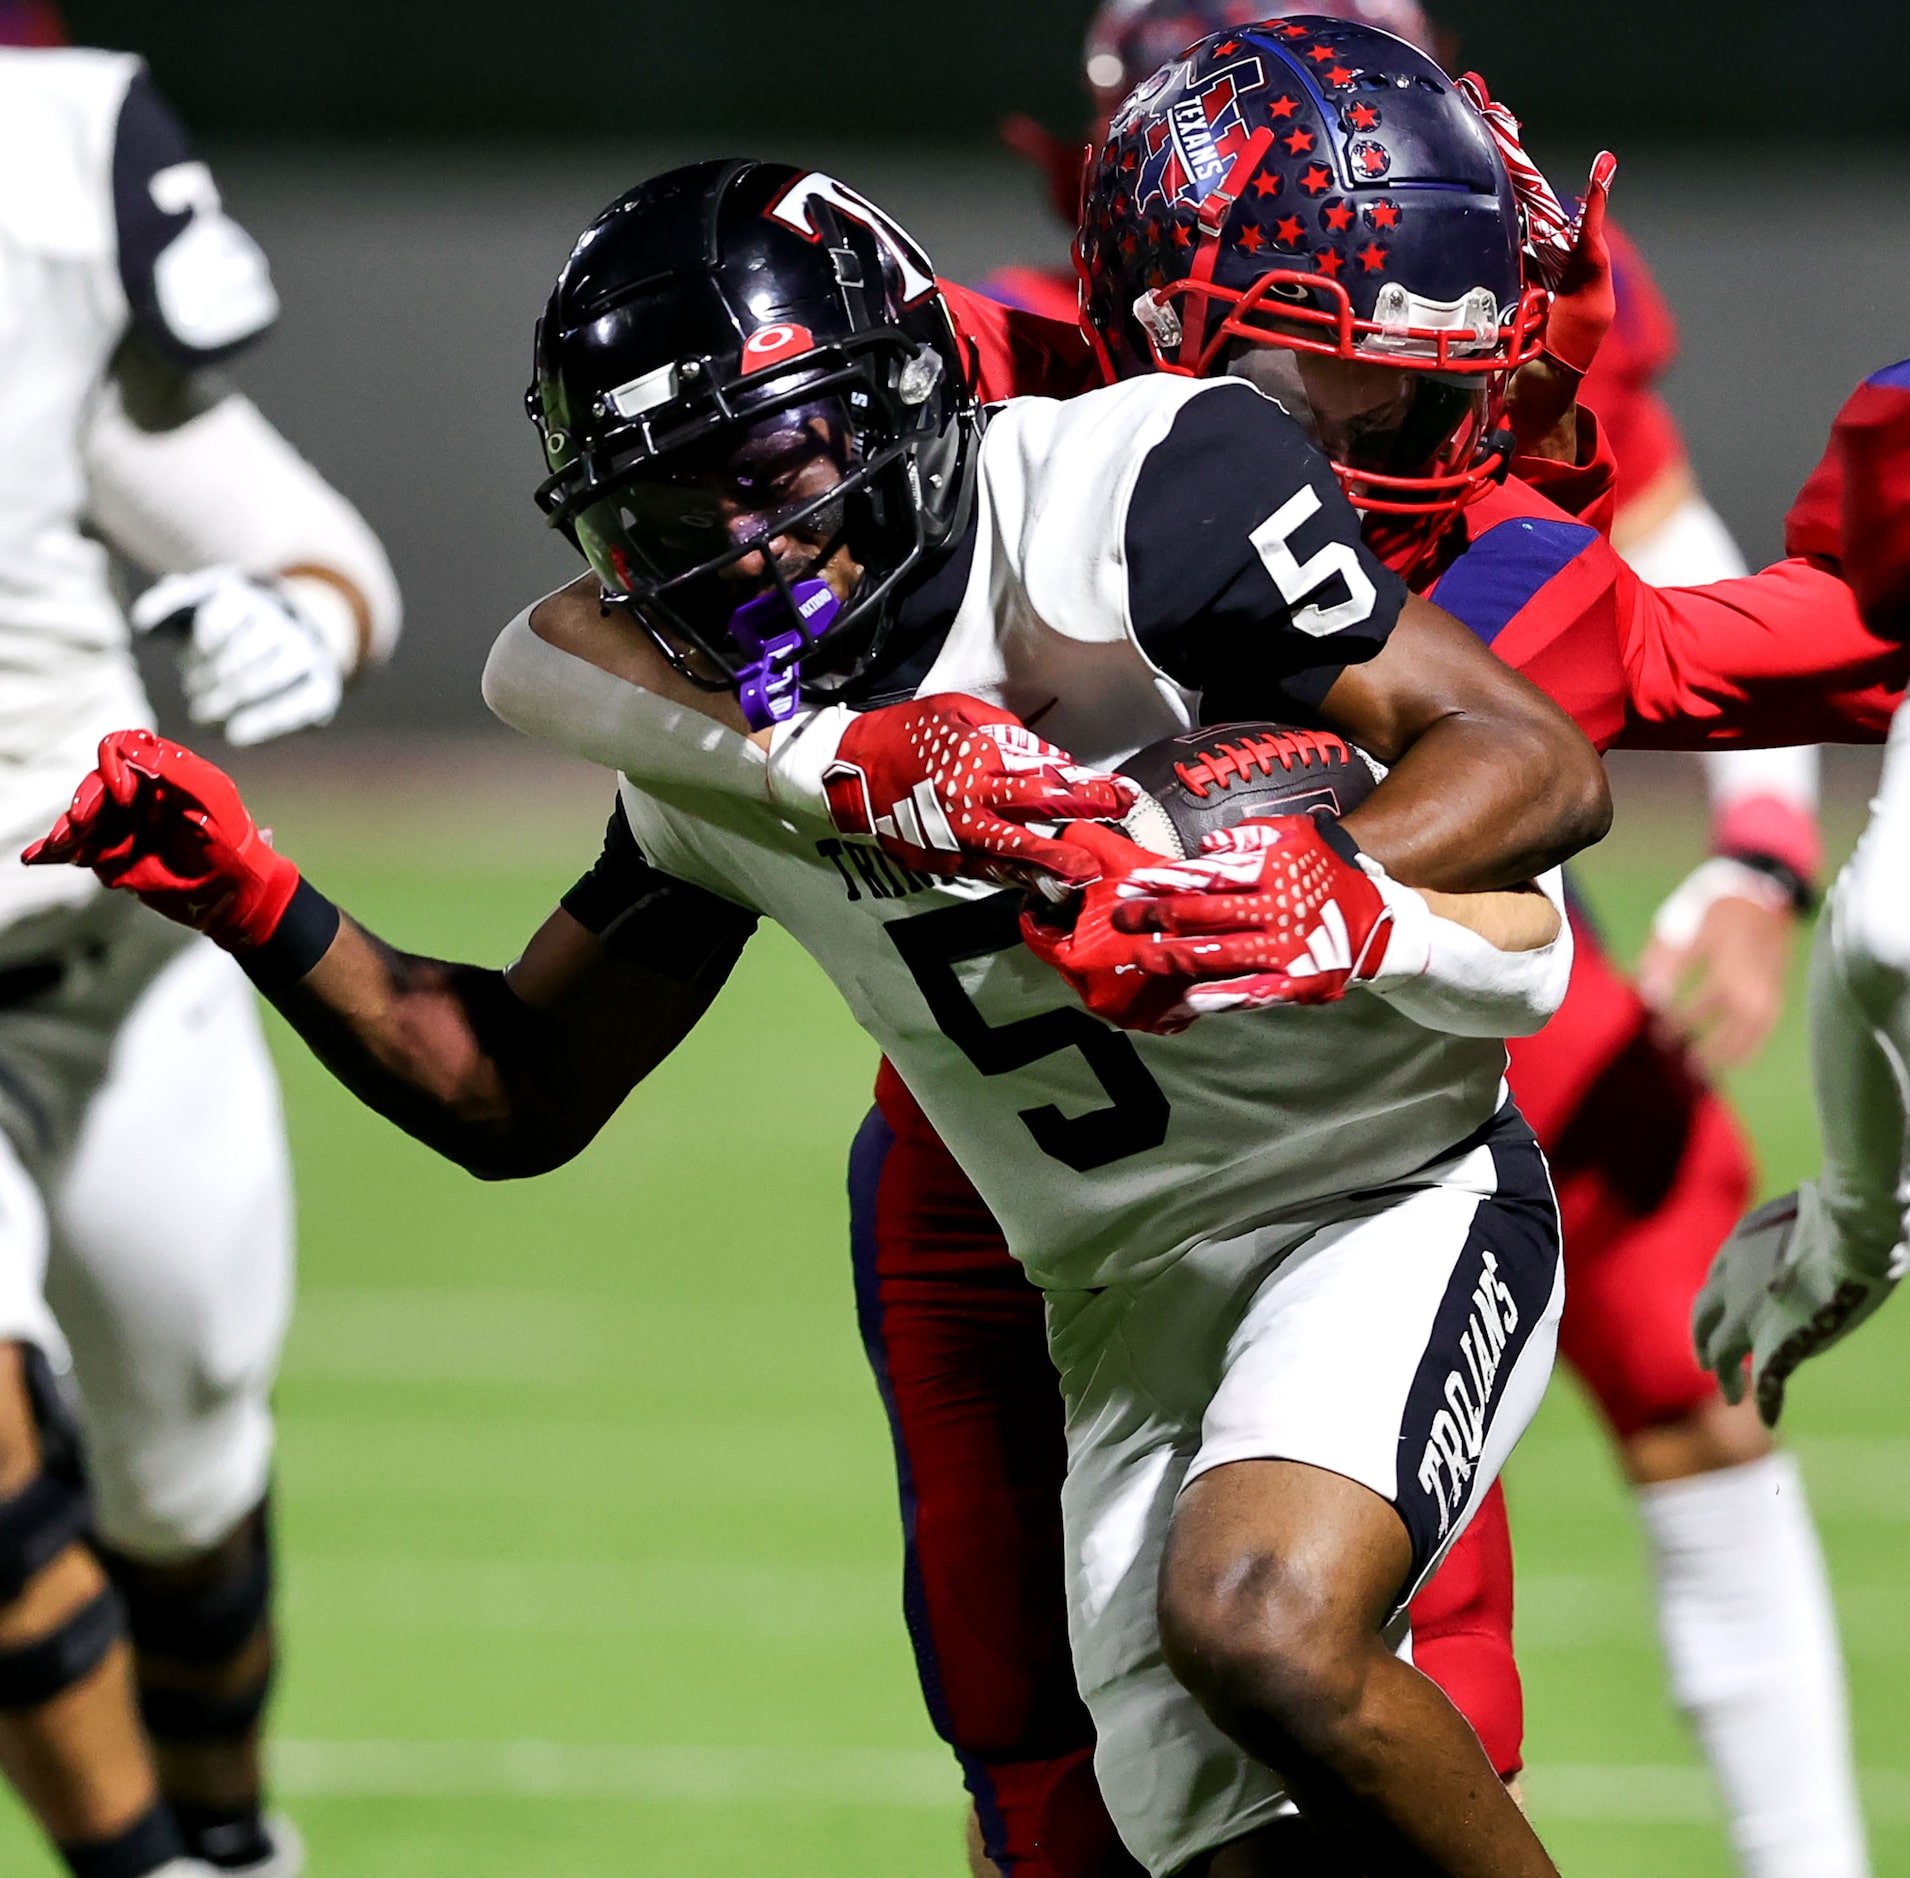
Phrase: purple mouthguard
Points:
(773, 641)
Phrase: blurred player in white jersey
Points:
(144, 1186)
(1805, 1270)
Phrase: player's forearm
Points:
(1514, 919)
(444, 1051)
(1478, 965)
(1476, 804)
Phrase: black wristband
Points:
(1803, 895)
(304, 934)
(1336, 837)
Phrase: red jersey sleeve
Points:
(1053, 292)
(1585, 490)
(1777, 658)
(1013, 353)
(1854, 511)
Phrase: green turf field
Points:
(585, 1493)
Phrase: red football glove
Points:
(1111, 972)
(1270, 913)
(950, 785)
(167, 825)
(1585, 300)
(1571, 256)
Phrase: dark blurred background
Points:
(876, 71)
(417, 170)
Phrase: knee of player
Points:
(1263, 1647)
(58, 1617)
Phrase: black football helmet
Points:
(756, 422)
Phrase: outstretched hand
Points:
(158, 821)
(1784, 1286)
(1544, 393)
(1571, 258)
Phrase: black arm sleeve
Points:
(1247, 577)
(197, 284)
(679, 931)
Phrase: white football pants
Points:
(145, 1182)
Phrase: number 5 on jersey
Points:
(1296, 579)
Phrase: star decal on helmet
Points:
(1329, 263)
(1290, 232)
(1282, 106)
(1298, 142)
(1373, 258)
(1362, 116)
(1320, 54)
(1371, 158)
(1267, 183)
(1317, 180)
(1287, 30)
(1339, 76)
(1252, 239)
(1337, 215)
(1383, 215)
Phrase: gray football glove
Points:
(1785, 1285)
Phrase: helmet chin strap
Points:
(1212, 217)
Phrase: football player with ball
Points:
(957, 1342)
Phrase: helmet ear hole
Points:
(916, 381)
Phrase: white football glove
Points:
(265, 656)
(1785, 1285)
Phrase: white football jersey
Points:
(106, 223)
(1128, 545)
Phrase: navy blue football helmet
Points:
(1287, 198)
(755, 420)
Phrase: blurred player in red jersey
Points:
(1744, 1609)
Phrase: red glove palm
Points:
(1570, 256)
(1585, 300)
(167, 825)
(950, 785)
(1270, 913)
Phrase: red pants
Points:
(1651, 1174)
(1651, 1170)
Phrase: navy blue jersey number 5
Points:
(933, 944)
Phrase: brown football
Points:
(1209, 779)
